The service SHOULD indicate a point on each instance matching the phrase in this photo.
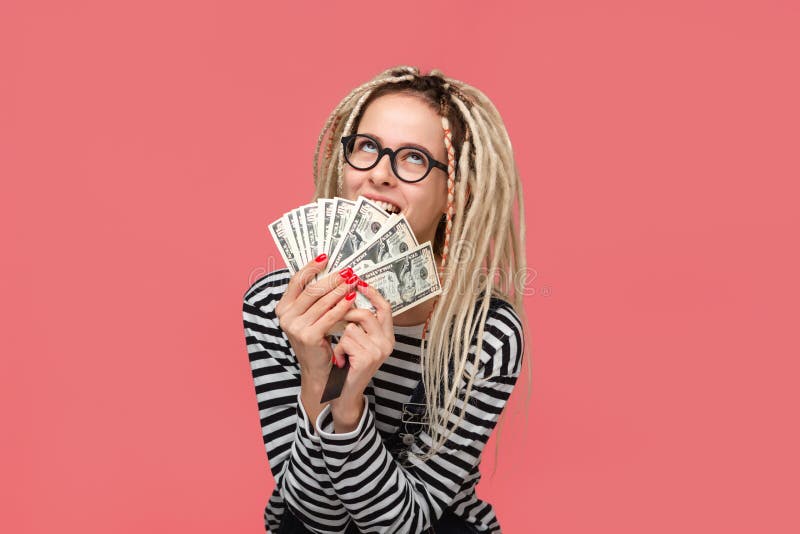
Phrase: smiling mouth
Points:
(386, 206)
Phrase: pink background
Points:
(144, 146)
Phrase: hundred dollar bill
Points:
(341, 213)
(307, 216)
(324, 215)
(395, 239)
(296, 237)
(278, 232)
(365, 222)
(404, 281)
(302, 241)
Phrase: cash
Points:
(307, 216)
(404, 281)
(339, 216)
(380, 248)
(324, 215)
(395, 239)
(278, 230)
(364, 223)
(295, 237)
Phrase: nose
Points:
(382, 173)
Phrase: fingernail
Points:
(322, 257)
(350, 296)
(346, 272)
(352, 280)
(362, 283)
(333, 359)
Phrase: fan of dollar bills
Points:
(379, 246)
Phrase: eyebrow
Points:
(414, 145)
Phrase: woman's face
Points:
(399, 120)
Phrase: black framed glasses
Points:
(409, 163)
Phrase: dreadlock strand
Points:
(459, 342)
(451, 180)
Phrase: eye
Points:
(365, 145)
(416, 158)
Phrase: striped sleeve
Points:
(384, 496)
(292, 446)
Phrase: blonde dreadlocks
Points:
(481, 247)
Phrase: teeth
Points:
(391, 208)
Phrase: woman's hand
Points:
(308, 310)
(368, 340)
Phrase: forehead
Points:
(402, 118)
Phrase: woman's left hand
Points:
(368, 340)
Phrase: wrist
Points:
(347, 413)
(313, 362)
(313, 377)
(311, 389)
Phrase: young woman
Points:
(399, 450)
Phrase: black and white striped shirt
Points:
(330, 479)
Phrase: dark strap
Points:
(412, 420)
(418, 393)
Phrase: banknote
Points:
(324, 215)
(341, 213)
(404, 281)
(307, 216)
(394, 239)
(290, 235)
(365, 222)
(278, 232)
(300, 236)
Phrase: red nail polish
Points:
(362, 283)
(352, 280)
(350, 296)
(322, 257)
(346, 272)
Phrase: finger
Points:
(383, 310)
(315, 290)
(324, 304)
(365, 319)
(354, 331)
(374, 296)
(381, 340)
(335, 313)
(347, 345)
(302, 277)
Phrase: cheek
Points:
(431, 202)
(438, 196)
(349, 181)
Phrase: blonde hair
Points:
(479, 236)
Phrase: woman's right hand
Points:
(308, 310)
